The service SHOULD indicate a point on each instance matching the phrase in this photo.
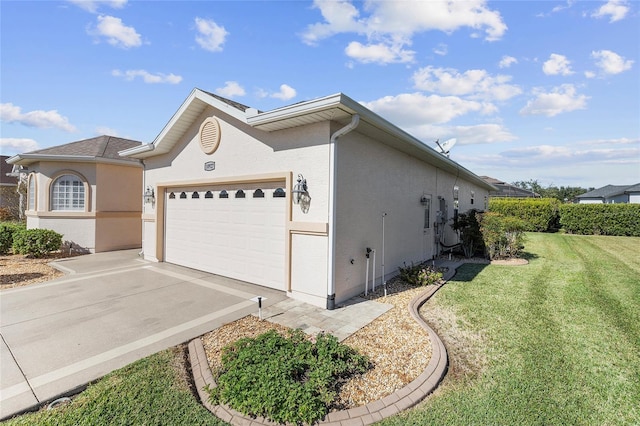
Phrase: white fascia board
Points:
(27, 159)
(295, 110)
(346, 103)
(135, 151)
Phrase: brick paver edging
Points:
(367, 414)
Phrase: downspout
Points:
(331, 269)
(144, 181)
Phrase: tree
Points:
(563, 193)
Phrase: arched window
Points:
(258, 193)
(208, 194)
(279, 193)
(183, 195)
(172, 196)
(67, 193)
(240, 193)
(32, 192)
(224, 194)
(195, 195)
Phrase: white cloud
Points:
(409, 110)
(10, 113)
(483, 134)
(610, 62)
(116, 33)
(507, 61)
(589, 74)
(286, 92)
(93, 5)
(211, 36)
(378, 53)
(560, 100)
(147, 77)
(477, 84)
(17, 145)
(231, 89)
(104, 130)
(557, 64)
(615, 9)
(442, 49)
(393, 24)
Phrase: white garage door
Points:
(235, 231)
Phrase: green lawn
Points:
(557, 341)
(152, 391)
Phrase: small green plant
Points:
(419, 275)
(7, 229)
(36, 242)
(469, 230)
(503, 235)
(285, 378)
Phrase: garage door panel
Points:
(242, 238)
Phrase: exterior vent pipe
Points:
(331, 269)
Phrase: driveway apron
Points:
(110, 310)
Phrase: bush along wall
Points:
(538, 214)
(601, 219)
(7, 230)
(36, 242)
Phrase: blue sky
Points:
(544, 90)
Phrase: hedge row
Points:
(601, 219)
(538, 214)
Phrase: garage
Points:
(237, 231)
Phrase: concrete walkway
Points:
(110, 310)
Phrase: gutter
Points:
(331, 268)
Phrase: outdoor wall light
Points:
(424, 200)
(299, 190)
(149, 196)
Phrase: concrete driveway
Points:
(110, 310)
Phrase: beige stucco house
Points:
(85, 191)
(292, 198)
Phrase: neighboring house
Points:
(85, 191)
(9, 196)
(292, 198)
(506, 190)
(611, 194)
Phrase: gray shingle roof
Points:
(234, 104)
(98, 147)
(508, 190)
(605, 191)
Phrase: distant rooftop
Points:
(610, 191)
(507, 190)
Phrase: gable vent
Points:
(210, 135)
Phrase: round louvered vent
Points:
(209, 135)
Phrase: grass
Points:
(554, 342)
(152, 391)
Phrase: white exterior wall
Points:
(245, 151)
(373, 179)
(634, 198)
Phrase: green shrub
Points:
(601, 219)
(36, 242)
(419, 275)
(503, 235)
(7, 229)
(285, 379)
(470, 236)
(538, 214)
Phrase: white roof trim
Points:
(194, 105)
(27, 159)
(337, 105)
